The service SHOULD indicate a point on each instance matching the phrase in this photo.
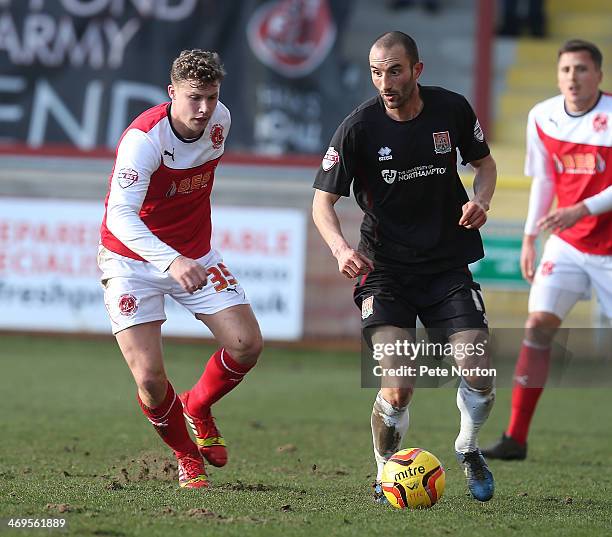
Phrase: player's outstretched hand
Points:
(474, 215)
(189, 273)
(352, 263)
(563, 218)
(528, 258)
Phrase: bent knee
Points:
(541, 327)
(152, 382)
(542, 319)
(246, 350)
(398, 397)
(483, 383)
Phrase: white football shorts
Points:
(566, 275)
(134, 290)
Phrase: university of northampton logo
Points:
(293, 37)
(389, 175)
(442, 143)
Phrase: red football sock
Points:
(222, 375)
(169, 423)
(530, 376)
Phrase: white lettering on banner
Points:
(54, 43)
(11, 84)
(47, 104)
(49, 279)
(287, 119)
(170, 10)
(121, 94)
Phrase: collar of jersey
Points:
(585, 112)
(184, 140)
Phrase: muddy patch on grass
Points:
(63, 508)
(206, 514)
(239, 485)
(145, 467)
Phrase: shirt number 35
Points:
(220, 277)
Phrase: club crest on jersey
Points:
(442, 142)
(367, 307)
(330, 159)
(600, 122)
(389, 175)
(384, 154)
(128, 305)
(126, 177)
(216, 135)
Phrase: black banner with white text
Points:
(74, 73)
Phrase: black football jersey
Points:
(404, 178)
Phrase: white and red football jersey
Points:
(158, 203)
(575, 153)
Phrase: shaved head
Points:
(390, 39)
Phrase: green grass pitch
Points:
(75, 445)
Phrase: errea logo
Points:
(385, 154)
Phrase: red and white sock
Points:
(530, 376)
(221, 376)
(169, 423)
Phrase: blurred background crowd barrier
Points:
(74, 73)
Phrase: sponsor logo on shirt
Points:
(367, 307)
(579, 163)
(389, 175)
(405, 175)
(442, 142)
(600, 122)
(384, 154)
(189, 184)
(126, 177)
(330, 159)
(168, 154)
(216, 135)
(478, 134)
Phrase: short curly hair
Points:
(197, 65)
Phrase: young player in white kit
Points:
(155, 241)
(569, 156)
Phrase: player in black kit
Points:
(419, 232)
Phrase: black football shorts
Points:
(446, 303)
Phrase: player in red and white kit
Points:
(155, 241)
(569, 156)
